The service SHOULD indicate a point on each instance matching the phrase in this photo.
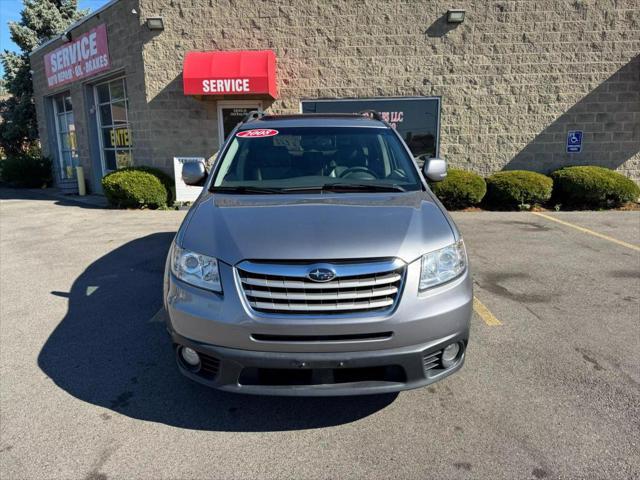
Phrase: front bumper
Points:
(226, 320)
(320, 374)
(376, 352)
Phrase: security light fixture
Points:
(455, 15)
(155, 23)
(67, 36)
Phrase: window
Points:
(417, 119)
(312, 158)
(65, 135)
(113, 124)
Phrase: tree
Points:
(39, 21)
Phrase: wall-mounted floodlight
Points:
(67, 36)
(155, 23)
(455, 15)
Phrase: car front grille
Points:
(286, 289)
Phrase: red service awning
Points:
(240, 73)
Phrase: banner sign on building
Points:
(416, 119)
(184, 192)
(85, 56)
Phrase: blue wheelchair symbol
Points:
(574, 141)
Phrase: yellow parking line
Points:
(484, 313)
(590, 232)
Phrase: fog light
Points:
(450, 353)
(190, 356)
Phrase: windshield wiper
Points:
(348, 187)
(327, 187)
(245, 189)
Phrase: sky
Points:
(10, 11)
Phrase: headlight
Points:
(443, 265)
(196, 269)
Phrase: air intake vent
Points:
(209, 366)
(286, 289)
(432, 361)
(322, 338)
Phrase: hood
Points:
(233, 228)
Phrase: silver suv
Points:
(317, 261)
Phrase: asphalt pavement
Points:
(89, 390)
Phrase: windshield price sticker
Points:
(257, 133)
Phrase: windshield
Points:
(309, 158)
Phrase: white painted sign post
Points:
(184, 192)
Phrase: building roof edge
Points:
(75, 24)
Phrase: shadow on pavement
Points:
(111, 350)
(88, 201)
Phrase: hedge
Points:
(166, 180)
(138, 187)
(460, 189)
(592, 187)
(514, 188)
(29, 170)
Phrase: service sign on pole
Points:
(184, 192)
(84, 56)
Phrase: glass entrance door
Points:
(232, 113)
(66, 136)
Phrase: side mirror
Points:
(435, 169)
(194, 173)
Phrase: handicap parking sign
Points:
(574, 141)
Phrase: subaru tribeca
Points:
(316, 261)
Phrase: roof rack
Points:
(371, 113)
(258, 114)
(253, 115)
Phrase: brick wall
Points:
(514, 77)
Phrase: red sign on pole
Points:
(85, 56)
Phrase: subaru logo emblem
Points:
(321, 274)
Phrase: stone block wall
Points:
(514, 77)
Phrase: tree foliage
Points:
(39, 21)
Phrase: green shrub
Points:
(166, 180)
(592, 187)
(137, 187)
(29, 170)
(460, 189)
(511, 189)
